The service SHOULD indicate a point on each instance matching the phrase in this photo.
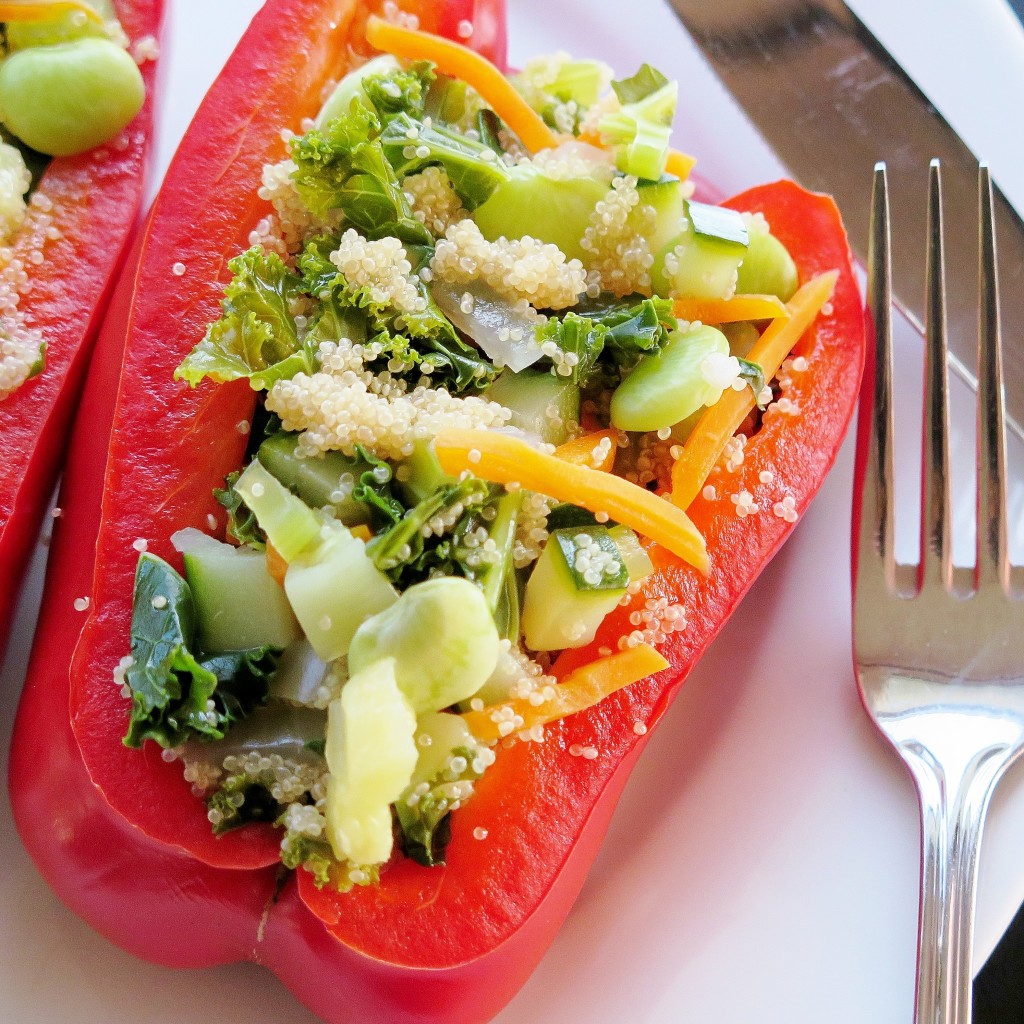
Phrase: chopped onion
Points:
(506, 336)
(300, 674)
(272, 730)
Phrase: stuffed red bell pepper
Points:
(446, 440)
(76, 107)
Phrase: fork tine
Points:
(876, 551)
(992, 528)
(936, 561)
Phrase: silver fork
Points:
(939, 651)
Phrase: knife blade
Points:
(831, 102)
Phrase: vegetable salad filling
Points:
(67, 84)
(499, 349)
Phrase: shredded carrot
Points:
(680, 164)
(361, 532)
(581, 689)
(44, 10)
(460, 62)
(721, 420)
(276, 565)
(587, 451)
(502, 459)
(730, 311)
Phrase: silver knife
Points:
(830, 101)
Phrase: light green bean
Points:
(767, 268)
(67, 98)
(669, 385)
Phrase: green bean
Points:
(767, 268)
(68, 98)
(669, 385)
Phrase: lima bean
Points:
(68, 98)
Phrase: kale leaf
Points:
(256, 336)
(579, 336)
(242, 525)
(373, 488)
(473, 168)
(342, 166)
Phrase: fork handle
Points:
(954, 793)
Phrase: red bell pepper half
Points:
(96, 198)
(118, 833)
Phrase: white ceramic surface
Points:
(762, 865)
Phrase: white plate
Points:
(763, 863)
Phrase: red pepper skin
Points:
(96, 198)
(437, 945)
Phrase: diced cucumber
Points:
(540, 403)
(767, 268)
(442, 638)
(531, 203)
(371, 755)
(351, 87)
(668, 385)
(238, 604)
(289, 523)
(333, 588)
(702, 262)
(317, 480)
(581, 546)
(638, 563)
(667, 200)
(423, 474)
(556, 613)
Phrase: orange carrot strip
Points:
(458, 61)
(581, 689)
(276, 565)
(362, 532)
(721, 420)
(587, 451)
(730, 311)
(502, 459)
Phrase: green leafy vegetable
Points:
(426, 826)
(242, 525)
(403, 552)
(374, 489)
(754, 376)
(175, 695)
(343, 167)
(257, 804)
(353, 313)
(402, 91)
(315, 855)
(641, 127)
(256, 336)
(635, 326)
(577, 335)
(646, 82)
(475, 170)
